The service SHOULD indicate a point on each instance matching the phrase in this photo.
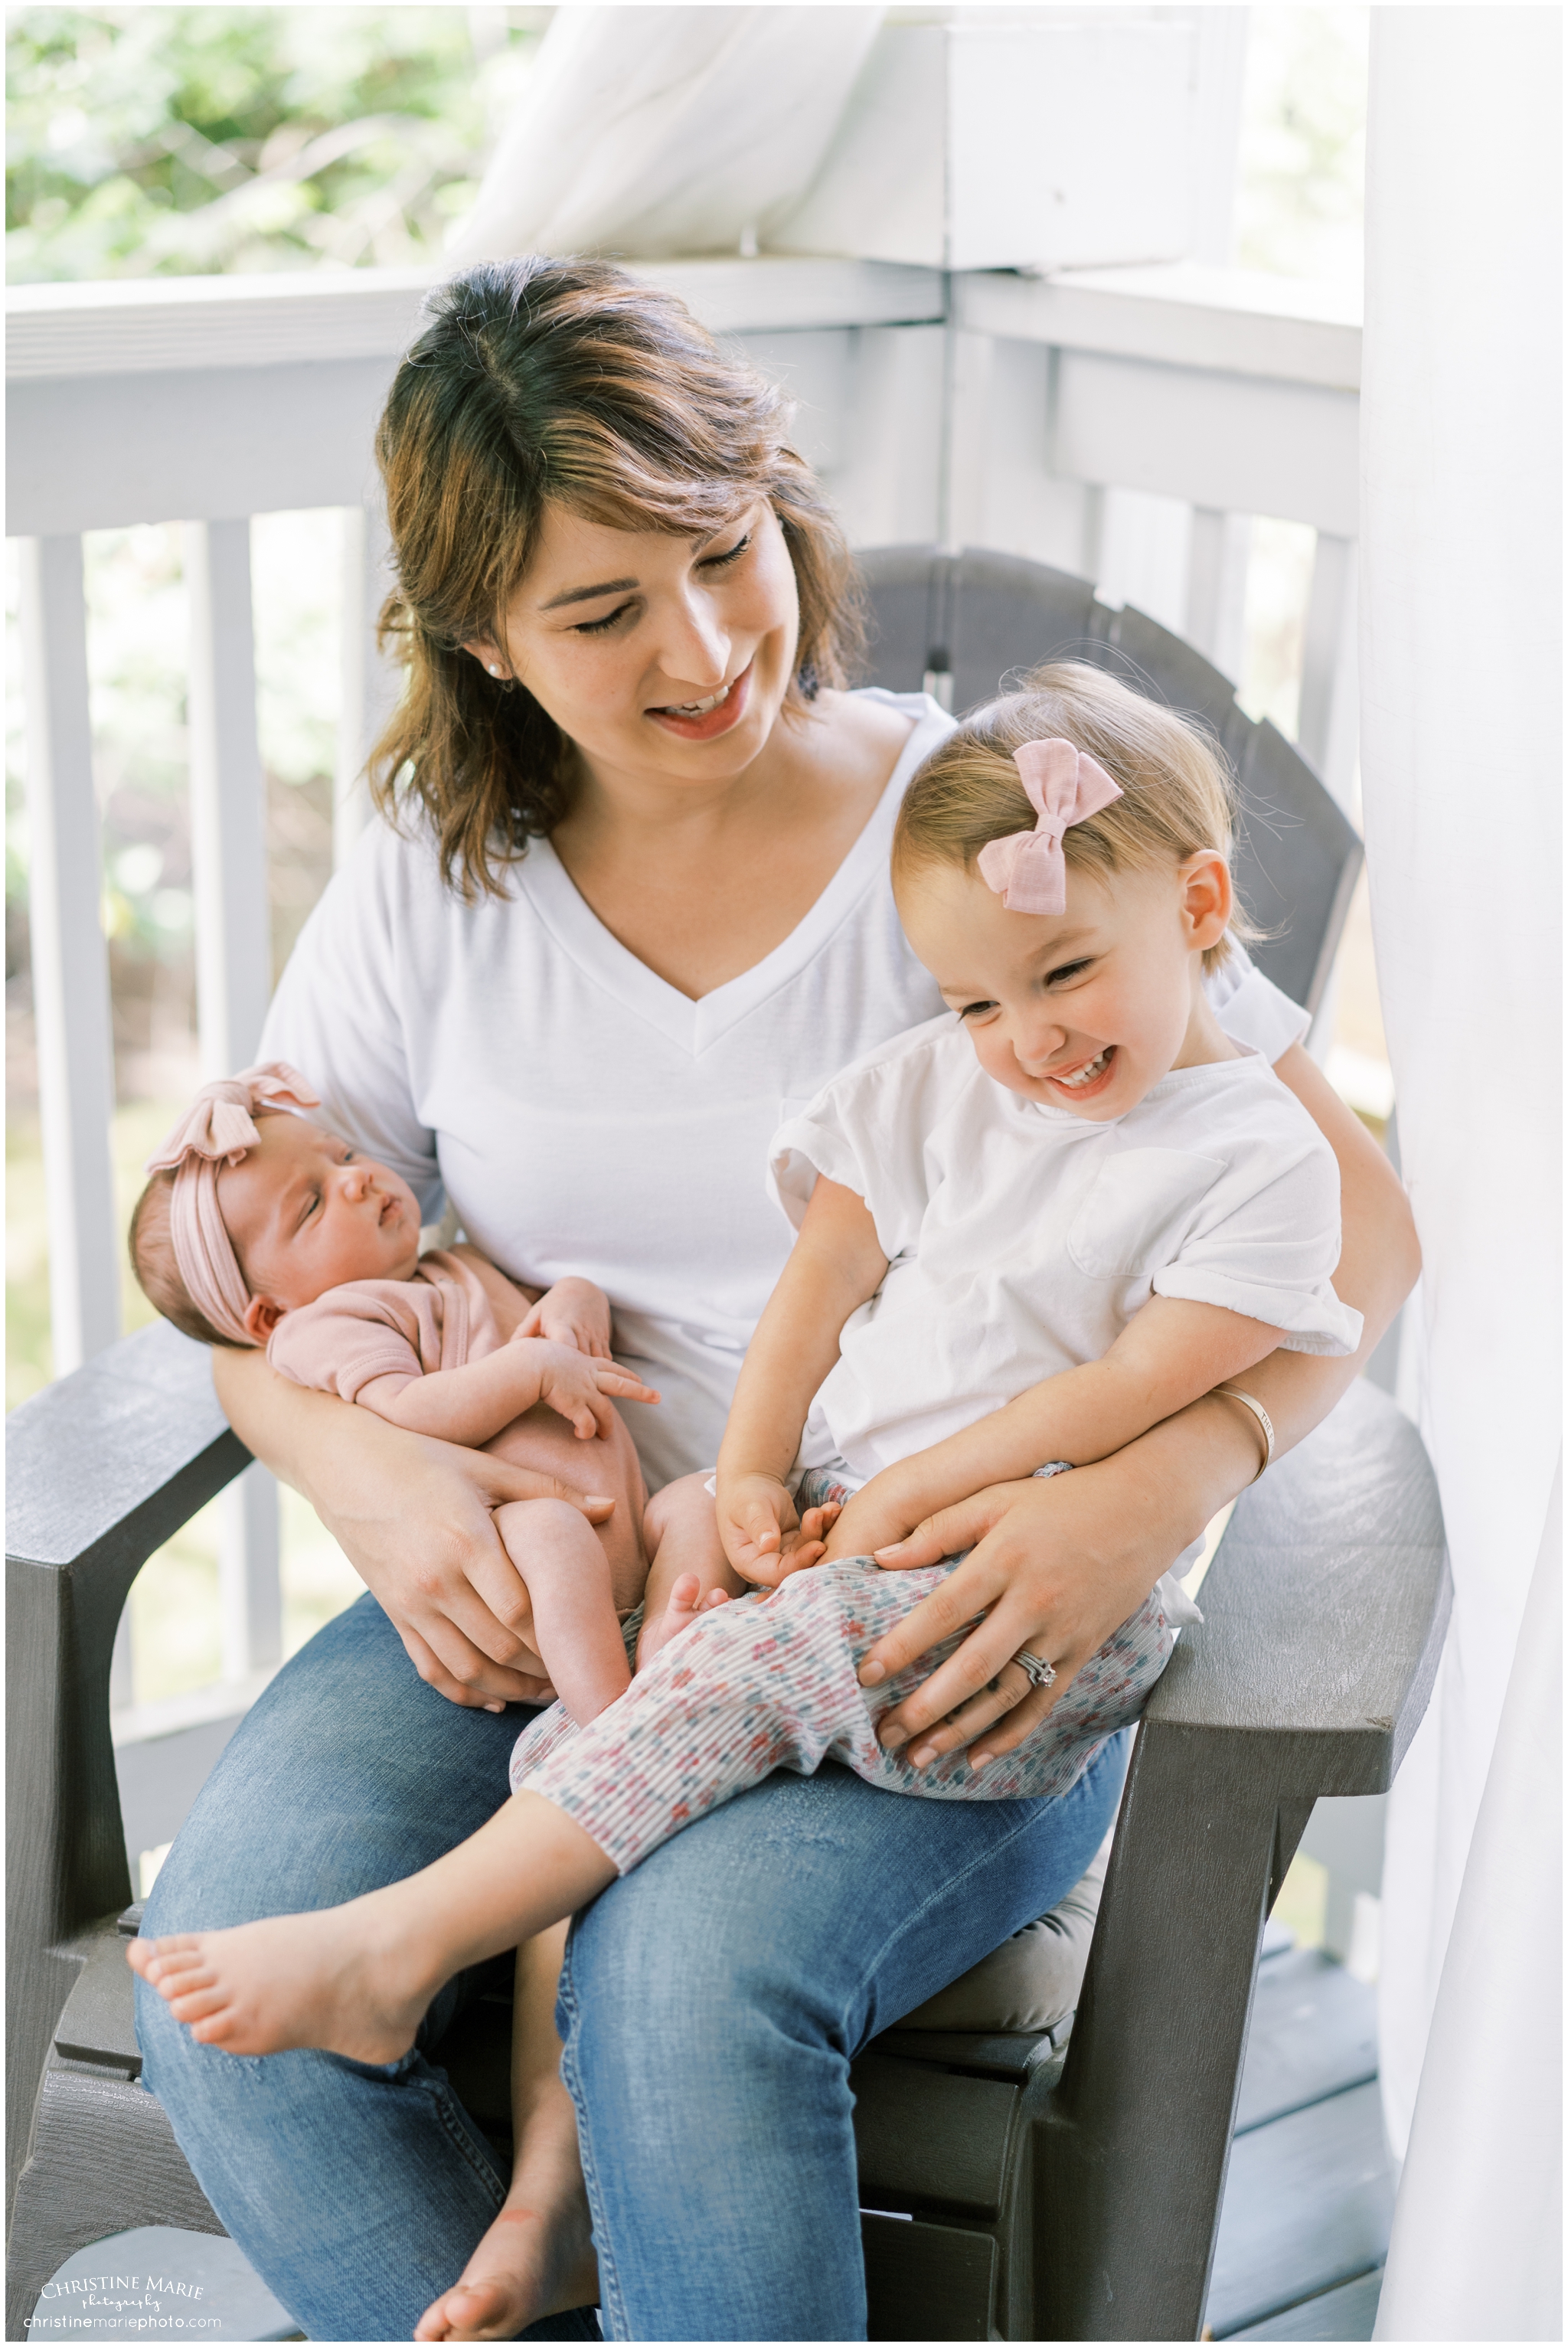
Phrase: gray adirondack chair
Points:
(1027, 2170)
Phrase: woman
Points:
(636, 905)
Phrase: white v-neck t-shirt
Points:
(585, 1117)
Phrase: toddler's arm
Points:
(472, 1404)
(1171, 1352)
(835, 1266)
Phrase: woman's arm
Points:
(414, 1517)
(1171, 1351)
(1062, 1563)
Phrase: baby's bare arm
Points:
(471, 1405)
(1169, 1353)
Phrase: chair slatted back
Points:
(979, 618)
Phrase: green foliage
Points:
(155, 140)
(1304, 140)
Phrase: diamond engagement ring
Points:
(1038, 1672)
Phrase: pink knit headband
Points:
(216, 1130)
(1028, 869)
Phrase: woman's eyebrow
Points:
(587, 594)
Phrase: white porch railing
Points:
(1027, 414)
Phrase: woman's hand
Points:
(878, 1515)
(1055, 1565)
(424, 1542)
(414, 1516)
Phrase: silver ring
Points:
(1038, 1672)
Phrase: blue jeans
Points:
(711, 2004)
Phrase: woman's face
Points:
(657, 656)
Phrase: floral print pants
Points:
(769, 1681)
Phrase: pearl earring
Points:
(494, 670)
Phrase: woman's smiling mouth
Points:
(704, 721)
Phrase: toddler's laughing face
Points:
(1086, 1009)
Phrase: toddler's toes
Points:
(153, 1958)
(471, 2309)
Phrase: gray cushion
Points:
(1031, 1981)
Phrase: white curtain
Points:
(654, 131)
(1462, 773)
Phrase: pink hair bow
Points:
(1028, 869)
(216, 1130)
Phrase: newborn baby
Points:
(260, 1229)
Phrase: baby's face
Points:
(1086, 1009)
(307, 1213)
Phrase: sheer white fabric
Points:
(1461, 642)
(651, 131)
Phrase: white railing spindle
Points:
(70, 960)
(369, 682)
(227, 810)
(1216, 587)
(1327, 728)
(233, 981)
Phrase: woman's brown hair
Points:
(1177, 794)
(573, 382)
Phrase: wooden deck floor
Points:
(1304, 2229)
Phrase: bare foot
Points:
(687, 1605)
(537, 2257)
(336, 1979)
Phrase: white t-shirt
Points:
(585, 1117)
(1021, 1238)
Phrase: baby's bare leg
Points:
(559, 1555)
(357, 1979)
(537, 2257)
(689, 1572)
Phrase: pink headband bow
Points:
(216, 1130)
(1028, 869)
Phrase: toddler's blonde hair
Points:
(1177, 794)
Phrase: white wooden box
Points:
(1049, 139)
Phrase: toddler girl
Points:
(1028, 1231)
(261, 1228)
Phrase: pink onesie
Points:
(456, 1308)
(444, 1317)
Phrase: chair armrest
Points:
(101, 1468)
(1324, 1608)
(1325, 1612)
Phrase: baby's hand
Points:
(762, 1534)
(573, 1312)
(577, 1387)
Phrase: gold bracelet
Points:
(1264, 1423)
